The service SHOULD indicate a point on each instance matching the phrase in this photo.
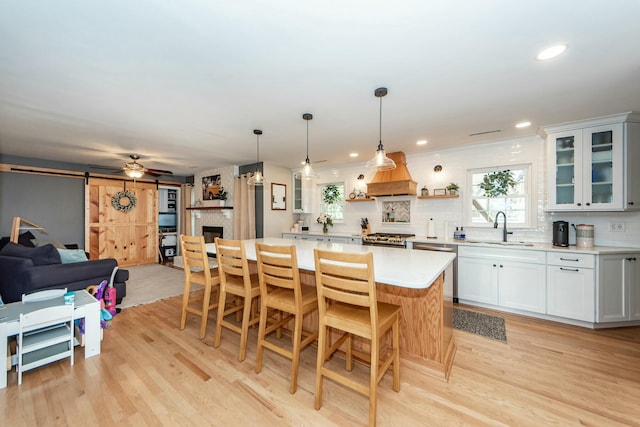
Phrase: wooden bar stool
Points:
(280, 290)
(197, 271)
(347, 302)
(236, 281)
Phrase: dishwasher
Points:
(443, 247)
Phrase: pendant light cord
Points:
(307, 140)
(380, 140)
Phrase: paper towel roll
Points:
(431, 228)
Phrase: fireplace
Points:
(210, 233)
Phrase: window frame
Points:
(324, 207)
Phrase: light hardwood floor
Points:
(150, 373)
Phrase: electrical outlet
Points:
(617, 226)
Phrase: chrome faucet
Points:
(504, 225)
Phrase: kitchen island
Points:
(418, 281)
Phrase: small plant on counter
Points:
(326, 221)
(453, 188)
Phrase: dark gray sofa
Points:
(26, 270)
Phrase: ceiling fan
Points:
(136, 170)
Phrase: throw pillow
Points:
(25, 239)
(68, 256)
(57, 243)
(42, 255)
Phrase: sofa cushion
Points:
(42, 255)
(68, 256)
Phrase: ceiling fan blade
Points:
(159, 171)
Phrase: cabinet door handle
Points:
(631, 259)
(630, 203)
(579, 204)
(501, 266)
(588, 204)
(569, 259)
(568, 269)
(494, 265)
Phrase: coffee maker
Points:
(561, 233)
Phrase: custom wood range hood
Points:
(396, 182)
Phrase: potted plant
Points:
(326, 221)
(453, 188)
(222, 195)
(498, 183)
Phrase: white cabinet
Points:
(508, 278)
(591, 163)
(571, 285)
(618, 292)
(303, 191)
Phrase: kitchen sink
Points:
(494, 242)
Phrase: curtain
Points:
(185, 215)
(244, 209)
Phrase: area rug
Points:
(480, 324)
(152, 282)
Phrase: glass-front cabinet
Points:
(589, 166)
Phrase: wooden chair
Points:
(280, 290)
(45, 336)
(235, 280)
(197, 271)
(347, 302)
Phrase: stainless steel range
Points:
(387, 239)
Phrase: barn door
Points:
(116, 228)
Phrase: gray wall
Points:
(53, 202)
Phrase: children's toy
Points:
(110, 294)
(98, 293)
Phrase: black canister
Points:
(561, 233)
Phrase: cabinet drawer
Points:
(571, 259)
(516, 255)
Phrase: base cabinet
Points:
(571, 285)
(507, 278)
(618, 291)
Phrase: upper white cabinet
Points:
(591, 164)
(302, 195)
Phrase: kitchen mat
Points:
(481, 324)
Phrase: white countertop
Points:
(532, 246)
(329, 234)
(392, 266)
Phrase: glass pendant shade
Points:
(257, 179)
(307, 171)
(380, 160)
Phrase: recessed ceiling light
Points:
(353, 155)
(523, 125)
(422, 142)
(551, 52)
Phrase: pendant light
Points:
(257, 179)
(380, 161)
(306, 172)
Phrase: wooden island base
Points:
(426, 322)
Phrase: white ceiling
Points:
(184, 83)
